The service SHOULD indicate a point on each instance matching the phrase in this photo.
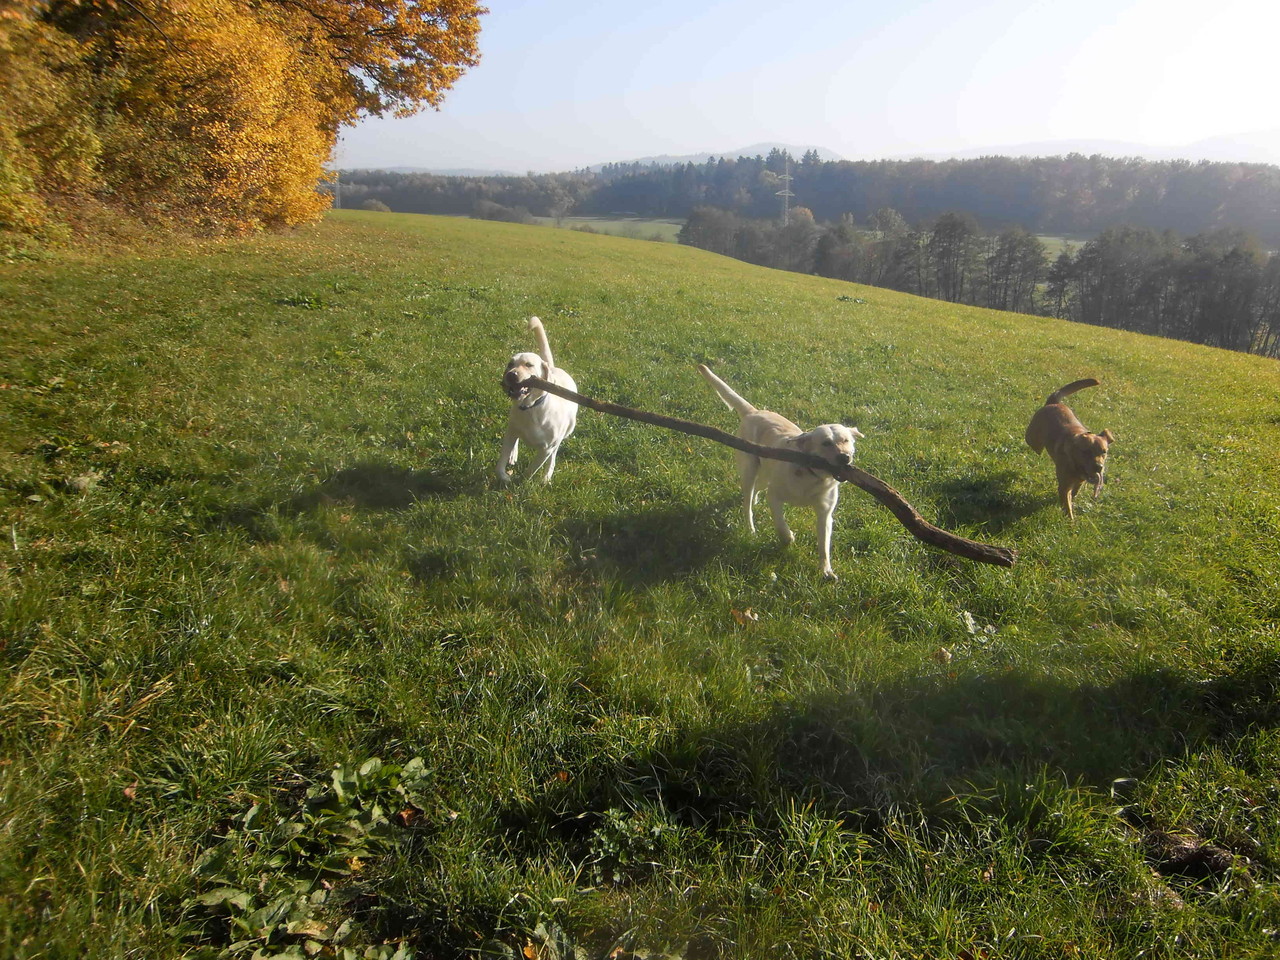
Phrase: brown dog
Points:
(1077, 454)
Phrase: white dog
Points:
(540, 419)
(786, 482)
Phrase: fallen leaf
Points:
(131, 791)
(942, 655)
(745, 616)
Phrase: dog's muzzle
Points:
(513, 386)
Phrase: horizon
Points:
(1066, 148)
(1162, 80)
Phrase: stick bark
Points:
(916, 525)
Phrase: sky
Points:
(563, 85)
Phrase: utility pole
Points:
(786, 194)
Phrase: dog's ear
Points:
(1107, 436)
(857, 433)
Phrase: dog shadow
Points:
(991, 502)
(364, 486)
(438, 563)
(649, 545)
(378, 486)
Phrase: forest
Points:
(1073, 195)
(1218, 287)
(1174, 249)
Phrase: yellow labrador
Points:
(785, 482)
(540, 419)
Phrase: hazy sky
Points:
(565, 84)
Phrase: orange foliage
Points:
(397, 55)
(214, 113)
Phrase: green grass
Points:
(1055, 245)
(633, 228)
(250, 532)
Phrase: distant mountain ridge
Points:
(755, 149)
(444, 172)
(1259, 147)
(665, 160)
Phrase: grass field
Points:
(285, 675)
(633, 228)
(1055, 245)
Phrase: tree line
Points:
(1070, 195)
(1219, 288)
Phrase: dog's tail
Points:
(1070, 388)
(544, 345)
(731, 399)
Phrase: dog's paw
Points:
(829, 574)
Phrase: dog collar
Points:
(534, 404)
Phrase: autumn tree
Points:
(215, 113)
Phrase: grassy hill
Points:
(250, 532)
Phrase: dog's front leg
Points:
(825, 513)
(1065, 493)
(779, 521)
(507, 455)
(749, 467)
(549, 458)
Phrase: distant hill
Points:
(1260, 147)
(440, 172)
(753, 150)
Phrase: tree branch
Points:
(916, 525)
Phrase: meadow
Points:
(633, 228)
(286, 675)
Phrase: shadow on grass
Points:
(881, 758)
(365, 486)
(864, 755)
(648, 545)
(378, 486)
(988, 501)
(427, 566)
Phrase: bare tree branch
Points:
(916, 525)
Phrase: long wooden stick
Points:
(916, 525)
